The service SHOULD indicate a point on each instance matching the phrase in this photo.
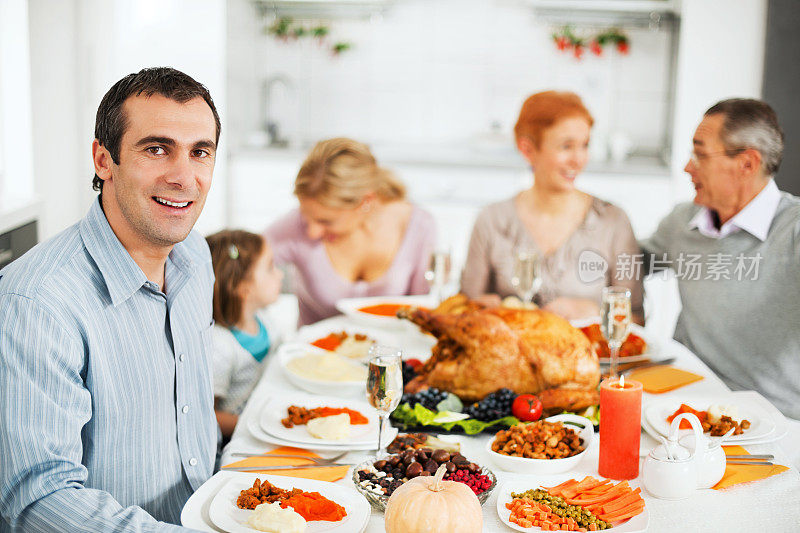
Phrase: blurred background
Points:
(434, 86)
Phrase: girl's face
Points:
(561, 155)
(264, 282)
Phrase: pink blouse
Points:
(318, 286)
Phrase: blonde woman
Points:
(354, 234)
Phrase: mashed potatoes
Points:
(336, 427)
(327, 367)
(353, 348)
(270, 517)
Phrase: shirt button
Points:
(180, 358)
(185, 409)
(192, 462)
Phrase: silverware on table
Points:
(766, 463)
(278, 467)
(634, 366)
(315, 460)
(767, 457)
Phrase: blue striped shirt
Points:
(106, 419)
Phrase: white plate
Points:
(259, 434)
(636, 524)
(351, 306)
(413, 343)
(289, 351)
(525, 465)
(652, 353)
(227, 516)
(275, 410)
(761, 424)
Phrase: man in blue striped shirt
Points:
(106, 418)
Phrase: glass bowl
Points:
(378, 501)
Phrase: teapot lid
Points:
(679, 453)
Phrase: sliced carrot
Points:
(629, 511)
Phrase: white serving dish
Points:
(346, 389)
(524, 465)
(637, 524)
(351, 308)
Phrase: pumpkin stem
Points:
(436, 486)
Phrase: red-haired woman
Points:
(565, 226)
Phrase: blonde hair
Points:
(339, 172)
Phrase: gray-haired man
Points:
(736, 253)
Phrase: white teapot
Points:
(675, 471)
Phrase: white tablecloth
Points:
(769, 505)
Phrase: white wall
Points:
(16, 167)
(82, 47)
(721, 56)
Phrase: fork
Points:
(316, 460)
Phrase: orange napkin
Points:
(735, 474)
(658, 379)
(333, 473)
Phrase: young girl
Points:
(246, 282)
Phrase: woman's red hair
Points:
(542, 110)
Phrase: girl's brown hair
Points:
(542, 110)
(233, 253)
(339, 172)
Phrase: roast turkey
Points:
(480, 350)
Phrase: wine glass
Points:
(526, 274)
(438, 273)
(384, 382)
(615, 320)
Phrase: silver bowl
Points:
(378, 502)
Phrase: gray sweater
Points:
(745, 328)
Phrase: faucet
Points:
(268, 123)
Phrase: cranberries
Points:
(476, 481)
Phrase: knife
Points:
(635, 366)
(278, 467)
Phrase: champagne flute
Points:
(438, 273)
(526, 274)
(384, 383)
(615, 320)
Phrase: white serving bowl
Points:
(523, 465)
(345, 389)
(350, 307)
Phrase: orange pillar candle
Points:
(620, 420)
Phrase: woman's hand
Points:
(489, 300)
(573, 308)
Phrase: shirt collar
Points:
(755, 218)
(122, 276)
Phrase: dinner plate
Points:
(634, 525)
(224, 513)
(652, 353)
(275, 410)
(254, 427)
(290, 351)
(352, 308)
(761, 423)
(413, 343)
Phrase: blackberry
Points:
(408, 372)
(495, 405)
(428, 398)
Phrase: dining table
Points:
(766, 505)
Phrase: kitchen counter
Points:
(467, 154)
(15, 213)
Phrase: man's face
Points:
(167, 153)
(713, 172)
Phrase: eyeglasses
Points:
(695, 158)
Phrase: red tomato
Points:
(527, 407)
(414, 363)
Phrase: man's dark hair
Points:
(111, 120)
(751, 123)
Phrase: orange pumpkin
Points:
(426, 504)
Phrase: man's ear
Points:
(102, 160)
(750, 162)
